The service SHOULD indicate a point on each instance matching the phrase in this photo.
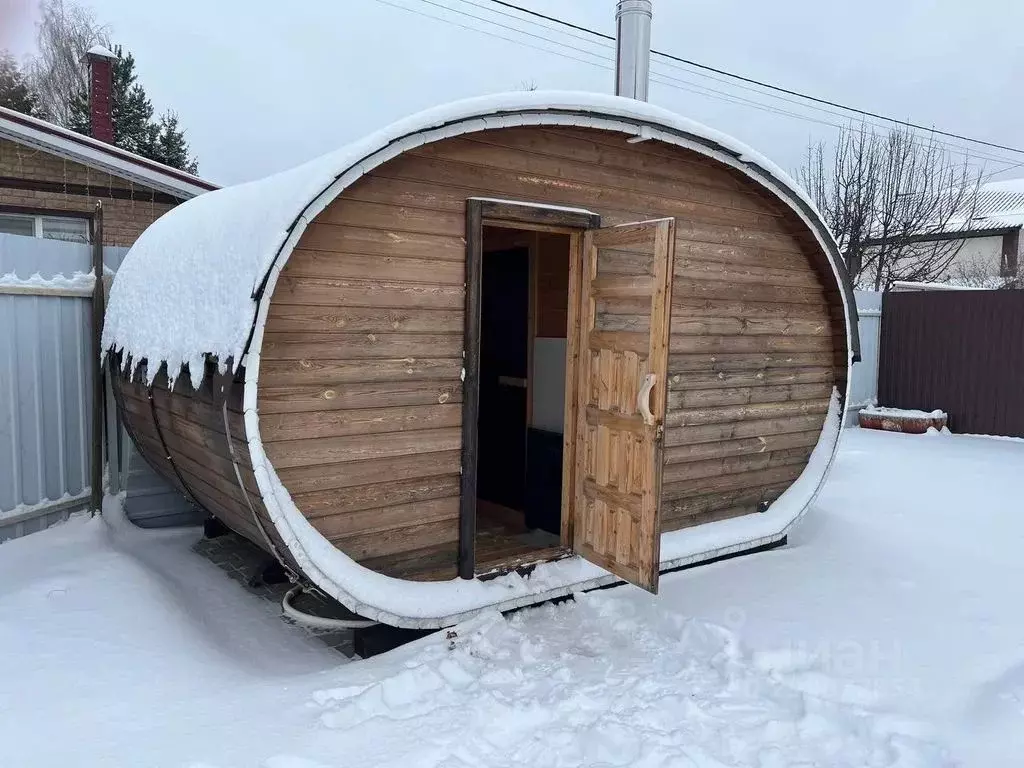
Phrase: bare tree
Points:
(57, 72)
(889, 198)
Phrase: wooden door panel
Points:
(619, 447)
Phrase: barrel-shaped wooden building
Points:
(501, 351)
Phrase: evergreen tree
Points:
(171, 145)
(15, 92)
(134, 127)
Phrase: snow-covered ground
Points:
(889, 632)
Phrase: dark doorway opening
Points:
(504, 375)
(524, 295)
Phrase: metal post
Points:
(98, 393)
(632, 48)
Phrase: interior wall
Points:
(548, 393)
(551, 270)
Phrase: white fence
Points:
(46, 403)
(864, 379)
(45, 378)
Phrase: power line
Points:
(678, 83)
(493, 34)
(504, 26)
(588, 38)
(990, 174)
(763, 84)
(658, 77)
(838, 105)
(563, 22)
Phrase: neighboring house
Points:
(990, 240)
(52, 177)
(50, 181)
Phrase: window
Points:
(72, 229)
(13, 224)
(65, 228)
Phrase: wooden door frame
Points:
(536, 217)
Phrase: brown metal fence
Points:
(961, 351)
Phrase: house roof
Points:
(998, 208)
(65, 143)
(1000, 204)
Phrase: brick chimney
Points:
(101, 79)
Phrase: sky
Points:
(261, 86)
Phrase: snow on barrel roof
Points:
(190, 285)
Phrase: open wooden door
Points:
(626, 291)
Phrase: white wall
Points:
(548, 393)
(987, 251)
(984, 251)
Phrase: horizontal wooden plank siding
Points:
(362, 421)
(320, 477)
(315, 319)
(756, 349)
(188, 445)
(372, 394)
(360, 370)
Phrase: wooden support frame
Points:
(578, 249)
(536, 217)
(470, 388)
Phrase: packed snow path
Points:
(888, 633)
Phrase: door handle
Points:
(643, 399)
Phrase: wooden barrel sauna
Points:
(503, 350)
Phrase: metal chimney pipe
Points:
(632, 48)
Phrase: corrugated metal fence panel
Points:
(46, 397)
(864, 379)
(961, 351)
(44, 375)
(152, 502)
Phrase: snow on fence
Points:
(864, 379)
